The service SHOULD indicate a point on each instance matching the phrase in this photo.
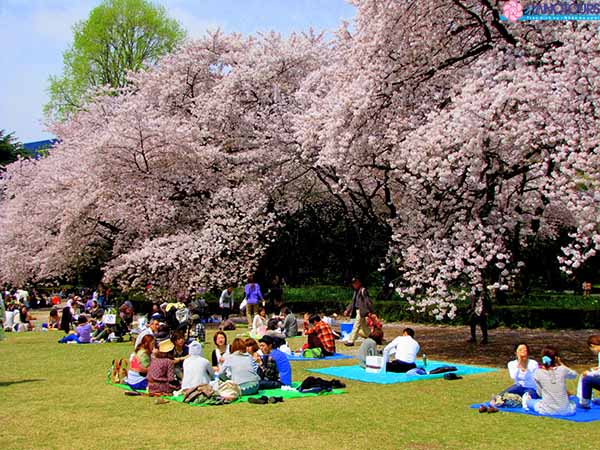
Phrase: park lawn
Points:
(56, 396)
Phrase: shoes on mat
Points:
(262, 400)
(492, 409)
(483, 409)
(584, 404)
(275, 399)
(349, 344)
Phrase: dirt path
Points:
(449, 343)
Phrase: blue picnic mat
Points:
(581, 415)
(359, 374)
(327, 358)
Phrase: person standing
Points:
(226, 303)
(253, 295)
(361, 306)
(479, 309)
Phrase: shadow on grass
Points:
(8, 383)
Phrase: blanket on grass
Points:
(581, 415)
(326, 358)
(359, 374)
(286, 394)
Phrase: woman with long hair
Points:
(139, 362)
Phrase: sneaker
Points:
(483, 409)
(258, 400)
(584, 404)
(275, 399)
(526, 397)
(492, 409)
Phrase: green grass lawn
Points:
(55, 396)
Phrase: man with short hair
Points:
(151, 329)
(406, 349)
(226, 303)
(270, 350)
(290, 324)
(361, 306)
(320, 335)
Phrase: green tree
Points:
(118, 36)
(10, 149)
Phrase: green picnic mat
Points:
(244, 399)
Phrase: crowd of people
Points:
(168, 350)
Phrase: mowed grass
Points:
(55, 396)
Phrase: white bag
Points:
(109, 319)
(373, 364)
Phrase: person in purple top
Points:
(253, 295)
(83, 333)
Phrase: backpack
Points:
(118, 371)
(313, 353)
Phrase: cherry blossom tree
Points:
(466, 134)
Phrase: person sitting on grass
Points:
(320, 335)
(220, 352)
(260, 323)
(270, 350)
(551, 383)
(241, 368)
(290, 324)
(54, 319)
(82, 335)
(590, 379)
(522, 370)
(66, 319)
(369, 346)
(196, 369)
(161, 372)
(139, 362)
(26, 319)
(180, 353)
(406, 349)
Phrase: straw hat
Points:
(166, 346)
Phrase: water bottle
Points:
(424, 361)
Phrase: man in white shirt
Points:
(151, 329)
(406, 352)
(226, 303)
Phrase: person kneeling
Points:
(406, 352)
(83, 333)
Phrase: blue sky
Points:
(35, 33)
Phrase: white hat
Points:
(195, 348)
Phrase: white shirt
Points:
(406, 349)
(196, 371)
(523, 377)
(226, 299)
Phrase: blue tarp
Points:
(359, 374)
